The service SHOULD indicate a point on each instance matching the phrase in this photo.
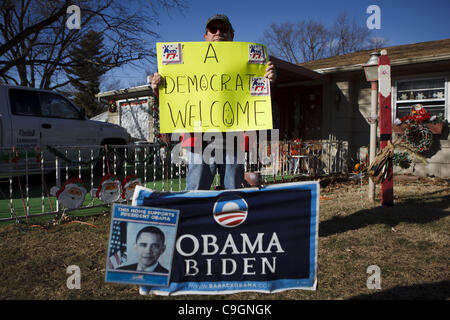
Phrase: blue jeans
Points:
(201, 174)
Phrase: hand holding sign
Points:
(271, 72)
(155, 82)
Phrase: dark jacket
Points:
(132, 267)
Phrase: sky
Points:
(402, 22)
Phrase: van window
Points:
(56, 106)
(24, 102)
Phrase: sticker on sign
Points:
(172, 53)
(260, 86)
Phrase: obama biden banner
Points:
(262, 240)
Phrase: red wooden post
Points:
(384, 98)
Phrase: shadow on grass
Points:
(413, 211)
(426, 291)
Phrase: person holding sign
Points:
(201, 173)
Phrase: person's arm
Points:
(155, 83)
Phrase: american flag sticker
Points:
(256, 54)
(172, 53)
(118, 245)
(260, 86)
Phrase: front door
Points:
(311, 113)
(300, 112)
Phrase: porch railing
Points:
(29, 177)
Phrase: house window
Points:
(431, 93)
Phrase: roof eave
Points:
(300, 71)
(133, 92)
(397, 62)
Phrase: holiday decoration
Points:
(296, 147)
(385, 123)
(128, 185)
(112, 106)
(109, 189)
(419, 136)
(402, 160)
(416, 132)
(420, 96)
(358, 167)
(418, 114)
(381, 168)
(408, 150)
(71, 194)
(439, 95)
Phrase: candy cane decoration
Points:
(384, 98)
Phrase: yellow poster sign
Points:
(213, 86)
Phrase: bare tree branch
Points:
(36, 28)
(282, 42)
(36, 53)
(348, 36)
(311, 40)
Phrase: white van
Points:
(39, 120)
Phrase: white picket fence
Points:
(28, 175)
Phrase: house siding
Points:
(438, 156)
(346, 120)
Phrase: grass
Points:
(408, 241)
(37, 200)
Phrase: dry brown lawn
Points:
(408, 241)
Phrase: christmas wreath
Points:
(112, 106)
(416, 133)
